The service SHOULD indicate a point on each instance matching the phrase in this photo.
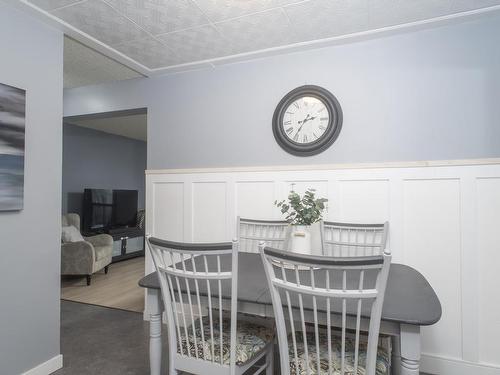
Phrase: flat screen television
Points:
(105, 209)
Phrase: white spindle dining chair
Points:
(345, 240)
(313, 294)
(194, 277)
(250, 232)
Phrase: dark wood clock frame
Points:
(329, 136)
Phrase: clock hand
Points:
(306, 119)
(303, 122)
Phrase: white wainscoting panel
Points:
(488, 250)
(431, 219)
(168, 210)
(255, 199)
(301, 185)
(209, 212)
(444, 221)
(363, 200)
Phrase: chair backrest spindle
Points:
(181, 268)
(251, 232)
(318, 289)
(348, 240)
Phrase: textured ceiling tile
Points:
(200, 43)
(317, 19)
(161, 16)
(149, 52)
(385, 13)
(52, 4)
(185, 33)
(258, 31)
(465, 5)
(100, 21)
(131, 126)
(218, 10)
(84, 66)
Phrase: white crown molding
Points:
(327, 42)
(212, 63)
(320, 167)
(79, 35)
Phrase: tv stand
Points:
(128, 243)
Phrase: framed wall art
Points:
(12, 131)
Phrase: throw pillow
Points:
(71, 234)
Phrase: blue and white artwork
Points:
(12, 128)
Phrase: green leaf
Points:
(303, 210)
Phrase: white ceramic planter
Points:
(301, 239)
(305, 239)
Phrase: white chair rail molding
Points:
(444, 218)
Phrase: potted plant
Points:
(301, 213)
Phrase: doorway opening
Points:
(103, 207)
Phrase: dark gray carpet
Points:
(99, 340)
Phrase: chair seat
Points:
(251, 340)
(383, 355)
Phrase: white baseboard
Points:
(451, 366)
(48, 367)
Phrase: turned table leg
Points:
(270, 361)
(155, 349)
(410, 349)
(396, 355)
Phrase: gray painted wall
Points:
(94, 159)
(422, 95)
(32, 58)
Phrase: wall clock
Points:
(307, 120)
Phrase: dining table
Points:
(409, 304)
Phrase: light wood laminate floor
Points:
(117, 289)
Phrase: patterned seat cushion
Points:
(383, 355)
(251, 339)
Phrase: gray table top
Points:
(408, 298)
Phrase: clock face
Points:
(305, 120)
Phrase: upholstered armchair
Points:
(85, 257)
